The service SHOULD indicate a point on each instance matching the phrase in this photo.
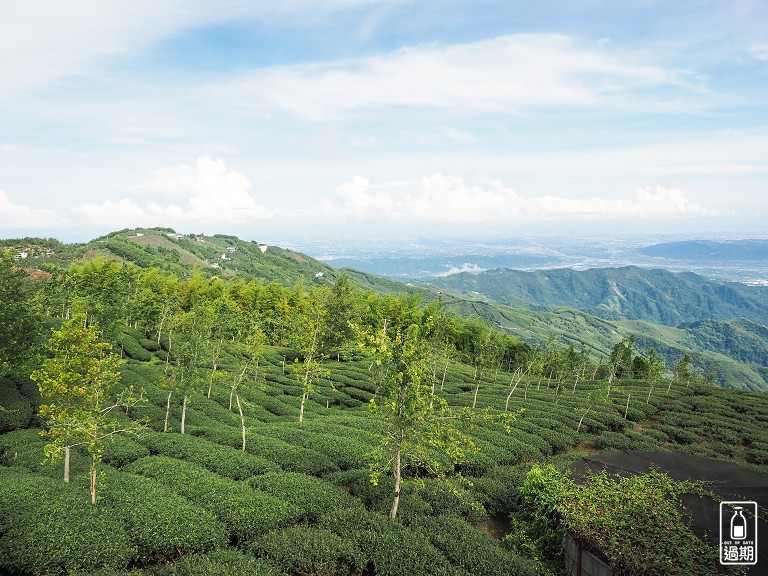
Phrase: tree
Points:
(19, 328)
(418, 430)
(309, 324)
(684, 371)
(342, 308)
(655, 364)
(253, 348)
(77, 380)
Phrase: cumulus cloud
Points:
(504, 74)
(20, 216)
(451, 199)
(207, 193)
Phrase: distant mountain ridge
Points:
(710, 250)
(630, 292)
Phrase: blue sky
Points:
(274, 120)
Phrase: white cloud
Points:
(450, 199)
(209, 194)
(506, 74)
(19, 216)
(42, 41)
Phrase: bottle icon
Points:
(738, 524)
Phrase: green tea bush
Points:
(49, 527)
(24, 448)
(308, 550)
(159, 522)
(314, 497)
(444, 499)
(346, 452)
(678, 435)
(471, 549)
(131, 347)
(222, 460)
(245, 512)
(387, 547)
(150, 345)
(290, 457)
(357, 394)
(15, 408)
(218, 563)
(119, 450)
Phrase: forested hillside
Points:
(674, 314)
(630, 293)
(174, 418)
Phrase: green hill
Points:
(630, 292)
(221, 255)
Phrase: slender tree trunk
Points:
(647, 400)
(301, 410)
(574, 383)
(183, 413)
(445, 371)
(93, 479)
(626, 409)
(474, 400)
(66, 464)
(396, 500)
(582, 419)
(168, 408)
(242, 418)
(215, 364)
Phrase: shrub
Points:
(244, 511)
(24, 448)
(49, 527)
(160, 523)
(307, 550)
(150, 345)
(131, 347)
(289, 457)
(471, 549)
(222, 460)
(229, 562)
(386, 546)
(120, 450)
(314, 497)
(15, 408)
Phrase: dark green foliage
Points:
(218, 563)
(48, 527)
(245, 512)
(120, 450)
(160, 523)
(132, 348)
(386, 546)
(290, 457)
(15, 408)
(222, 460)
(24, 448)
(472, 550)
(19, 327)
(307, 550)
(314, 497)
(148, 344)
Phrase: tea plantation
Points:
(298, 500)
